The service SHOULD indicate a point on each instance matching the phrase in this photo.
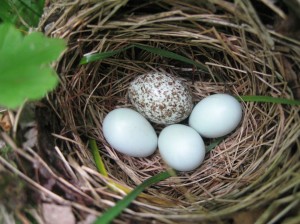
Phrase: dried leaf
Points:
(54, 214)
(5, 122)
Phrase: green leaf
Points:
(5, 14)
(113, 212)
(10, 39)
(21, 12)
(25, 65)
(163, 53)
(268, 99)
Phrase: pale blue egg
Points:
(216, 115)
(129, 132)
(181, 147)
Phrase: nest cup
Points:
(248, 170)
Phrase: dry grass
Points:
(257, 166)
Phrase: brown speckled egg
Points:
(161, 98)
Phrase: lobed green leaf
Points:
(25, 65)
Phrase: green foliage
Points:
(24, 65)
(12, 191)
(5, 151)
(22, 13)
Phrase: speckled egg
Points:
(161, 97)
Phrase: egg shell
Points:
(129, 132)
(216, 115)
(181, 147)
(161, 97)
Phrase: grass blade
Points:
(171, 55)
(103, 55)
(163, 53)
(212, 145)
(97, 158)
(268, 99)
(113, 212)
(113, 185)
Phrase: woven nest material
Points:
(252, 168)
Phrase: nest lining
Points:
(244, 170)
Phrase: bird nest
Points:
(226, 49)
